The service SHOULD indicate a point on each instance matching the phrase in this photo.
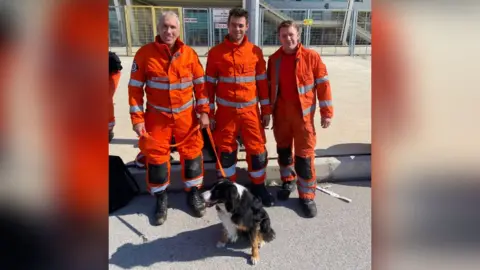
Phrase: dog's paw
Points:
(255, 260)
(233, 238)
(220, 244)
(261, 244)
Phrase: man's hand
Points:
(212, 124)
(326, 122)
(204, 121)
(139, 129)
(266, 120)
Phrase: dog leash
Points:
(209, 132)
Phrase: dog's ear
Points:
(231, 198)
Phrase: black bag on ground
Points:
(122, 186)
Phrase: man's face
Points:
(289, 38)
(237, 26)
(169, 30)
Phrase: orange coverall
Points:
(170, 80)
(113, 79)
(293, 119)
(236, 74)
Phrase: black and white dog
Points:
(240, 212)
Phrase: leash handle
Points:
(215, 151)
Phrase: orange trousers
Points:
(229, 122)
(290, 128)
(113, 80)
(156, 148)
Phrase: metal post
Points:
(129, 36)
(119, 20)
(353, 37)
(308, 30)
(253, 8)
(346, 24)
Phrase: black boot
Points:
(309, 207)
(196, 202)
(161, 207)
(261, 192)
(287, 188)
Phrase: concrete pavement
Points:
(343, 150)
(338, 238)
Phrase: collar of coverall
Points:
(233, 44)
(178, 44)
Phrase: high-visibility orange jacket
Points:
(169, 79)
(113, 80)
(236, 77)
(312, 80)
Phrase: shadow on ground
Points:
(345, 149)
(132, 142)
(184, 247)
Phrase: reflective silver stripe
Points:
(212, 106)
(309, 110)
(229, 172)
(304, 183)
(325, 103)
(286, 171)
(237, 105)
(305, 89)
(166, 86)
(261, 77)
(211, 79)
(194, 182)
(257, 174)
(265, 102)
(199, 80)
(136, 83)
(306, 190)
(136, 108)
(202, 101)
(111, 124)
(158, 189)
(236, 79)
(321, 80)
(174, 110)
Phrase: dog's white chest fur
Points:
(227, 223)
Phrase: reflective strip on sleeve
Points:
(202, 101)
(135, 83)
(265, 102)
(136, 108)
(321, 80)
(199, 80)
(305, 89)
(309, 110)
(325, 103)
(261, 77)
(211, 79)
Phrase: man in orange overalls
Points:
(236, 72)
(171, 72)
(297, 77)
(114, 72)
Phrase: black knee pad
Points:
(303, 167)
(259, 161)
(158, 173)
(193, 167)
(228, 159)
(285, 157)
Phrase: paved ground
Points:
(350, 133)
(338, 238)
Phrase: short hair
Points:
(287, 24)
(238, 12)
(168, 14)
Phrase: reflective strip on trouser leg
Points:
(307, 181)
(158, 176)
(229, 164)
(256, 167)
(192, 172)
(285, 160)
